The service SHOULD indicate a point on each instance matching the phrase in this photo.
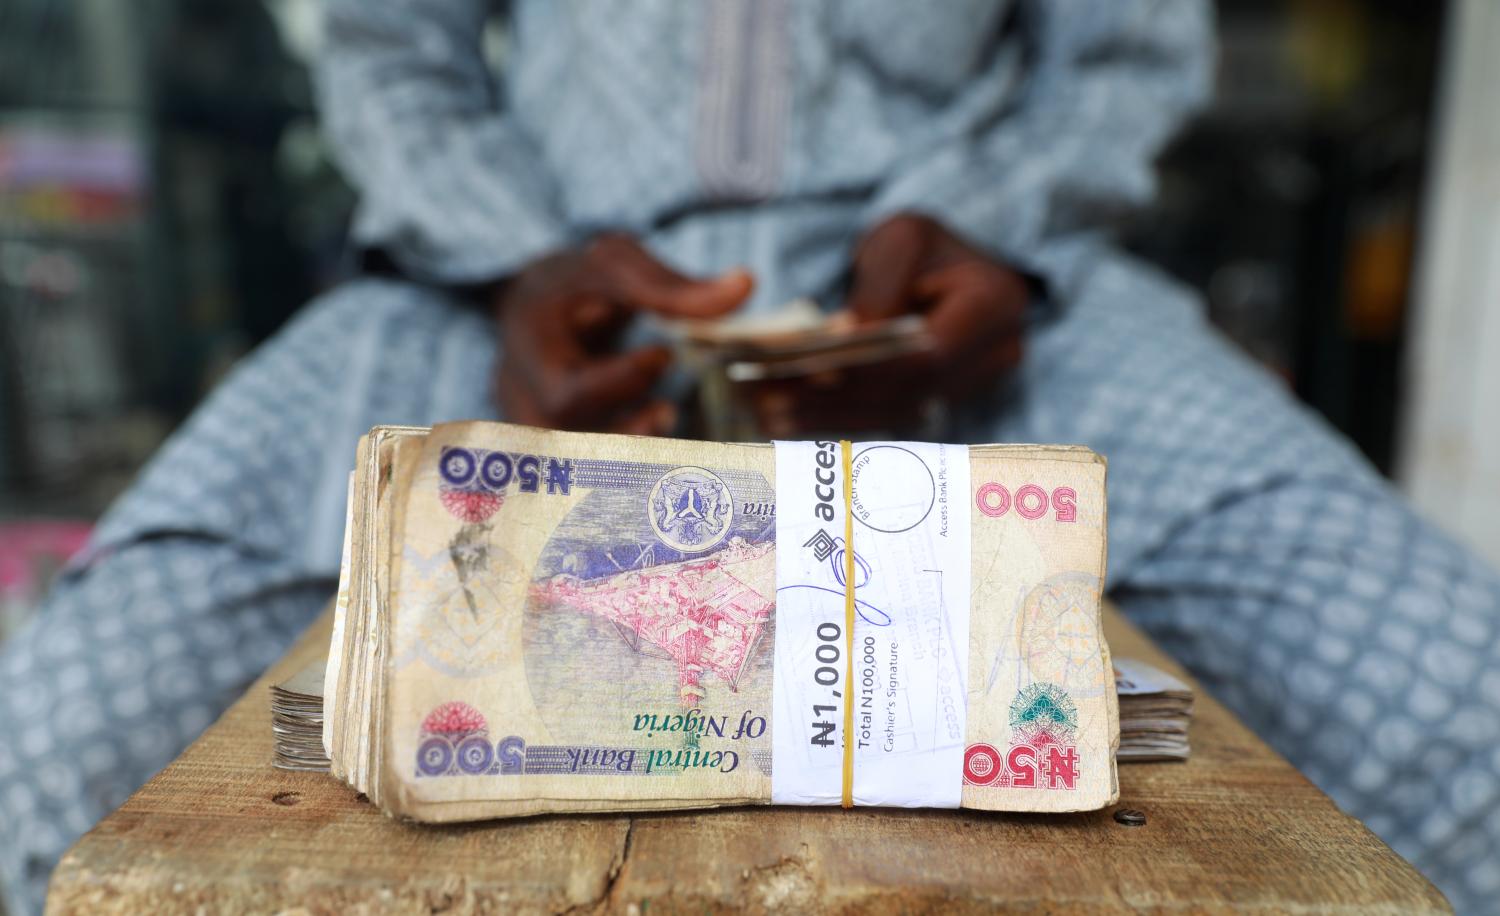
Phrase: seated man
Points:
(954, 160)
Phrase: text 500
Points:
(1029, 501)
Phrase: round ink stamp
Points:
(893, 489)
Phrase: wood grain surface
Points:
(1236, 827)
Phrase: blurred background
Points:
(166, 203)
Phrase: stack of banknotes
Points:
(798, 340)
(536, 621)
(795, 341)
(1155, 709)
(297, 720)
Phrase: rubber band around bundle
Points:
(847, 448)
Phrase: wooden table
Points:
(220, 830)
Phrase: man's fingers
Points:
(977, 335)
(690, 299)
(535, 374)
(514, 396)
(657, 418)
(597, 322)
(885, 267)
(965, 320)
(645, 284)
(593, 312)
(973, 302)
(598, 389)
(561, 318)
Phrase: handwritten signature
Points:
(863, 574)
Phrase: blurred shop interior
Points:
(166, 203)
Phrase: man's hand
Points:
(560, 322)
(973, 306)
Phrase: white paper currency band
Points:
(911, 638)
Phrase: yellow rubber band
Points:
(847, 448)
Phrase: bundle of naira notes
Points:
(535, 621)
(1155, 709)
(297, 720)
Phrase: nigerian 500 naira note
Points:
(544, 621)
